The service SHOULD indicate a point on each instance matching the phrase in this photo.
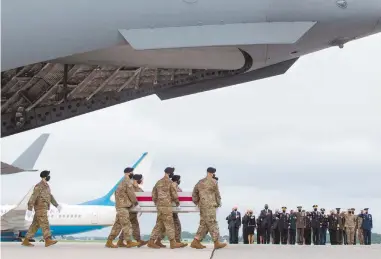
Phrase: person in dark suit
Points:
(251, 227)
(234, 221)
(266, 218)
(333, 227)
(259, 231)
(367, 225)
(245, 222)
(275, 233)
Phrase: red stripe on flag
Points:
(149, 198)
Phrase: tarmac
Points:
(98, 251)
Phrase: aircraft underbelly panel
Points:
(216, 35)
(228, 58)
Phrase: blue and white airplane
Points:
(73, 219)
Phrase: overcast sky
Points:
(311, 136)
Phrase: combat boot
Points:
(142, 243)
(131, 244)
(109, 244)
(218, 245)
(158, 243)
(174, 244)
(26, 242)
(151, 244)
(197, 244)
(49, 242)
(121, 243)
(182, 244)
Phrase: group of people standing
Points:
(205, 195)
(302, 227)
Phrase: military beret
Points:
(137, 177)
(211, 170)
(44, 173)
(353, 209)
(176, 177)
(322, 209)
(366, 209)
(299, 207)
(315, 206)
(169, 170)
(337, 208)
(128, 170)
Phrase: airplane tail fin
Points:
(109, 199)
(28, 158)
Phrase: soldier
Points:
(345, 229)
(307, 230)
(360, 232)
(355, 233)
(125, 198)
(333, 227)
(323, 227)
(350, 225)
(292, 231)
(137, 180)
(283, 225)
(367, 225)
(206, 195)
(339, 234)
(176, 220)
(40, 201)
(163, 194)
(266, 219)
(300, 225)
(315, 223)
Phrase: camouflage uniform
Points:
(206, 196)
(350, 225)
(163, 194)
(134, 220)
(124, 199)
(176, 221)
(40, 200)
(360, 232)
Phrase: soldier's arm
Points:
(174, 195)
(33, 198)
(371, 222)
(53, 201)
(195, 195)
(154, 194)
(218, 196)
(131, 194)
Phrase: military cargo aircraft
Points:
(67, 58)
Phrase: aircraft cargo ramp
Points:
(97, 250)
(43, 93)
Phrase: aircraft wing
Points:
(15, 219)
(26, 161)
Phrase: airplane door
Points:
(94, 218)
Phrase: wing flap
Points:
(216, 35)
